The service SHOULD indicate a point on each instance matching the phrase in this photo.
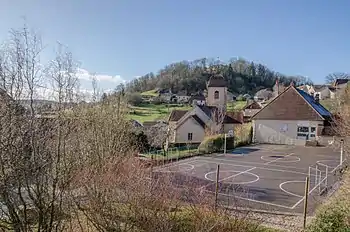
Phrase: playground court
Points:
(265, 177)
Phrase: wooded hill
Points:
(241, 75)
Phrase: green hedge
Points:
(215, 143)
(334, 216)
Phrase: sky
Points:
(122, 39)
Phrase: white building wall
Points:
(189, 126)
(282, 131)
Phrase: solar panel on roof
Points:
(317, 106)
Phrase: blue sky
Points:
(122, 39)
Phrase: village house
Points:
(323, 92)
(277, 89)
(339, 85)
(263, 95)
(293, 117)
(250, 109)
(231, 96)
(166, 95)
(197, 100)
(307, 88)
(182, 97)
(190, 127)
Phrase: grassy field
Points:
(237, 105)
(151, 112)
(150, 93)
(172, 153)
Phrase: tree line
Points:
(241, 75)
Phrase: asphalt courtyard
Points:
(264, 177)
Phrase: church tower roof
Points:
(217, 80)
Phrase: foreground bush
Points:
(335, 215)
(215, 143)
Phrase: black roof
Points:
(195, 117)
(175, 115)
(208, 110)
(217, 81)
(341, 81)
(197, 97)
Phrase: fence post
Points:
(341, 151)
(320, 180)
(151, 165)
(326, 182)
(306, 199)
(316, 176)
(178, 154)
(225, 144)
(217, 185)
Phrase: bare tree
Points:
(158, 135)
(217, 121)
(331, 78)
(35, 158)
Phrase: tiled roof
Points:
(319, 88)
(293, 104)
(200, 122)
(217, 81)
(341, 81)
(135, 123)
(208, 110)
(252, 105)
(233, 117)
(197, 97)
(149, 123)
(176, 115)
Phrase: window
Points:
(216, 94)
(303, 129)
(189, 136)
(304, 132)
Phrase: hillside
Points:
(241, 75)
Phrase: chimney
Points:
(278, 87)
(317, 98)
(291, 83)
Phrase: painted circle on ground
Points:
(239, 174)
(280, 159)
(326, 162)
(179, 168)
(289, 182)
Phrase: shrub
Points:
(335, 215)
(240, 98)
(243, 134)
(157, 101)
(134, 99)
(215, 143)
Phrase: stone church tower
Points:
(217, 91)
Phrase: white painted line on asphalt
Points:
(248, 170)
(332, 167)
(272, 161)
(189, 168)
(298, 202)
(254, 163)
(296, 159)
(291, 181)
(252, 200)
(262, 168)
